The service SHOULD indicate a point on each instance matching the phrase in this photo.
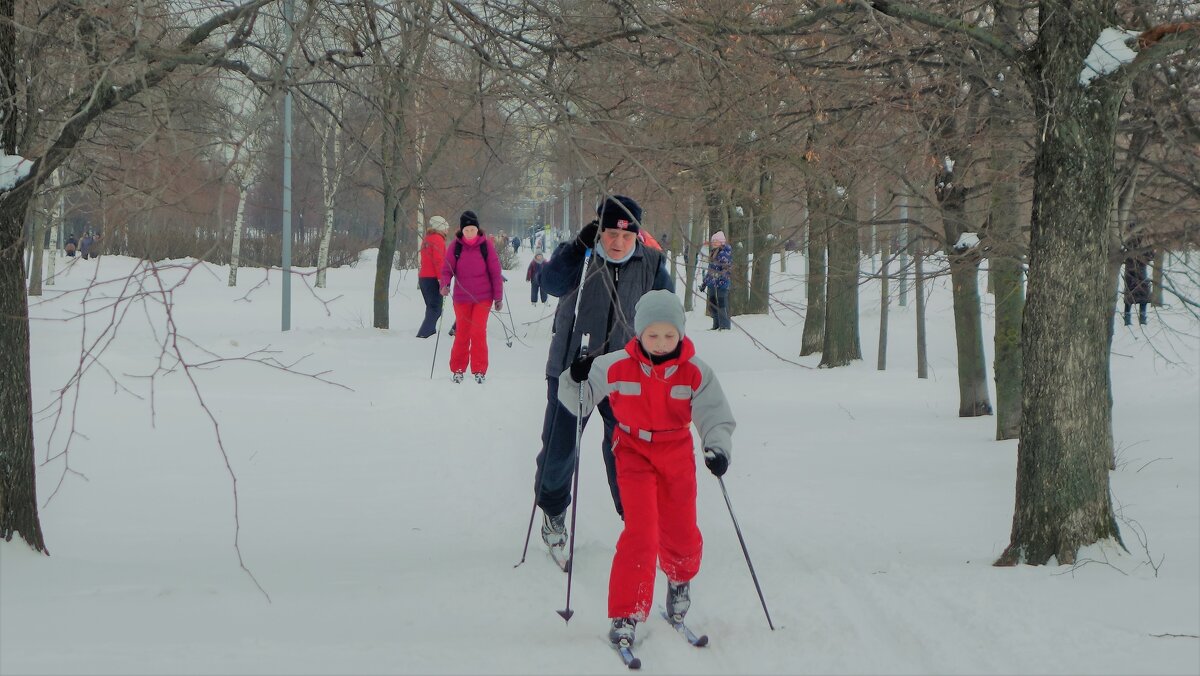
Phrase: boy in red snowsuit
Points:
(657, 388)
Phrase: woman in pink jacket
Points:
(474, 265)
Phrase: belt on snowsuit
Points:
(657, 435)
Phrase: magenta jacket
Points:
(477, 281)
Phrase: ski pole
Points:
(537, 479)
(566, 613)
(745, 553)
(438, 338)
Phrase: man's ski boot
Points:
(457, 376)
(479, 378)
(554, 534)
(678, 600)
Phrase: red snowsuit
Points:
(654, 405)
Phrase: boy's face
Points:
(660, 338)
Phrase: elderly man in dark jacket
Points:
(618, 274)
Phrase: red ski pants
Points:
(658, 490)
(470, 337)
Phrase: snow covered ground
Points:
(383, 516)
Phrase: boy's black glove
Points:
(716, 461)
(580, 368)
(587, 236)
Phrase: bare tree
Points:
(114, 74)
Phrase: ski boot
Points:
(457, 376)
(678, 600)
(621, 633)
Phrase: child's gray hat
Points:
(658, 306)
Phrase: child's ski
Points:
(698, 641)
(627, 656)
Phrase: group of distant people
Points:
(86, 246)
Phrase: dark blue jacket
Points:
(607, 305)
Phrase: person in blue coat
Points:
(621, 270)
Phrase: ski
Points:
(698, 641)
(627, 655)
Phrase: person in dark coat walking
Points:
(533, 275)
(1137, 283)
(433, 254)
(621, 271)
(71, 246)
(85, 246)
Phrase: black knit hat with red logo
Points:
(620, 212)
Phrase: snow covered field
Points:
(383, 515)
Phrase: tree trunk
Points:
(1005, 276)
(740, 210)
(1063, 501)
(18, 477)
(391, 154)
(1156, 283)
(1009, 291)
(56, 219)
(973, 397)
(37, 246)
(235, 251)
(814, 317)
(764, 244)
(884, 301)
(919, 293)
(329, 185)
(689, 257)
(841, 310)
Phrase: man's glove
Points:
(716, 461)
(498, 305)
(445, 291)
(580, 368)
(587, 236)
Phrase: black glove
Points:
(716, 461)
(580, 368)
(587, 236)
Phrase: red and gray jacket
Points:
(656, 401)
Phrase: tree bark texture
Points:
(842, 344)
(919, 292)
(814, 317)
(740, 224)
(764, 245)
(1062, 493)
(18, 477)
(1009, 291)
(973, 398)
(884, 301)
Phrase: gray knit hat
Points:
(658, 306)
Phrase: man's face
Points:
(617, 243)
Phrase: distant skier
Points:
(656, 388)
(474, 266)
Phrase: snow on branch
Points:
(1110, 51)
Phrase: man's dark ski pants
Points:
(556, 461)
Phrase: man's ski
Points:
(561, 557)
(698, 641)
(627, 656)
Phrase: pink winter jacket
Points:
(476, 281)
